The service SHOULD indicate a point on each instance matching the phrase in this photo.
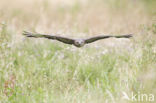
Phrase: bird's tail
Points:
(124, 36)
(29, 34)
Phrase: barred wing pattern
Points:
(54, 37)
(93, 39)
(75, 42)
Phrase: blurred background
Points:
(41, 71)
(87, 16)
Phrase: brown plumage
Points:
(75, 42)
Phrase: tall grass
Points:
(44, 71)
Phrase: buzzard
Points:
(75, 42)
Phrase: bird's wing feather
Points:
(93, 39)
(59, 38)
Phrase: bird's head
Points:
(79, 42)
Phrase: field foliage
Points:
(44, 71)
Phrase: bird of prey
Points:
(75, 42)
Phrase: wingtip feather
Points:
(29, 34)
(26, 33)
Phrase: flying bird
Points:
(75, 42)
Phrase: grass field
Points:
(44, 71)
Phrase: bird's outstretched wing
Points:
(54, 37)
(92, 39)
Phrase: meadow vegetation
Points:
(44, 71)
